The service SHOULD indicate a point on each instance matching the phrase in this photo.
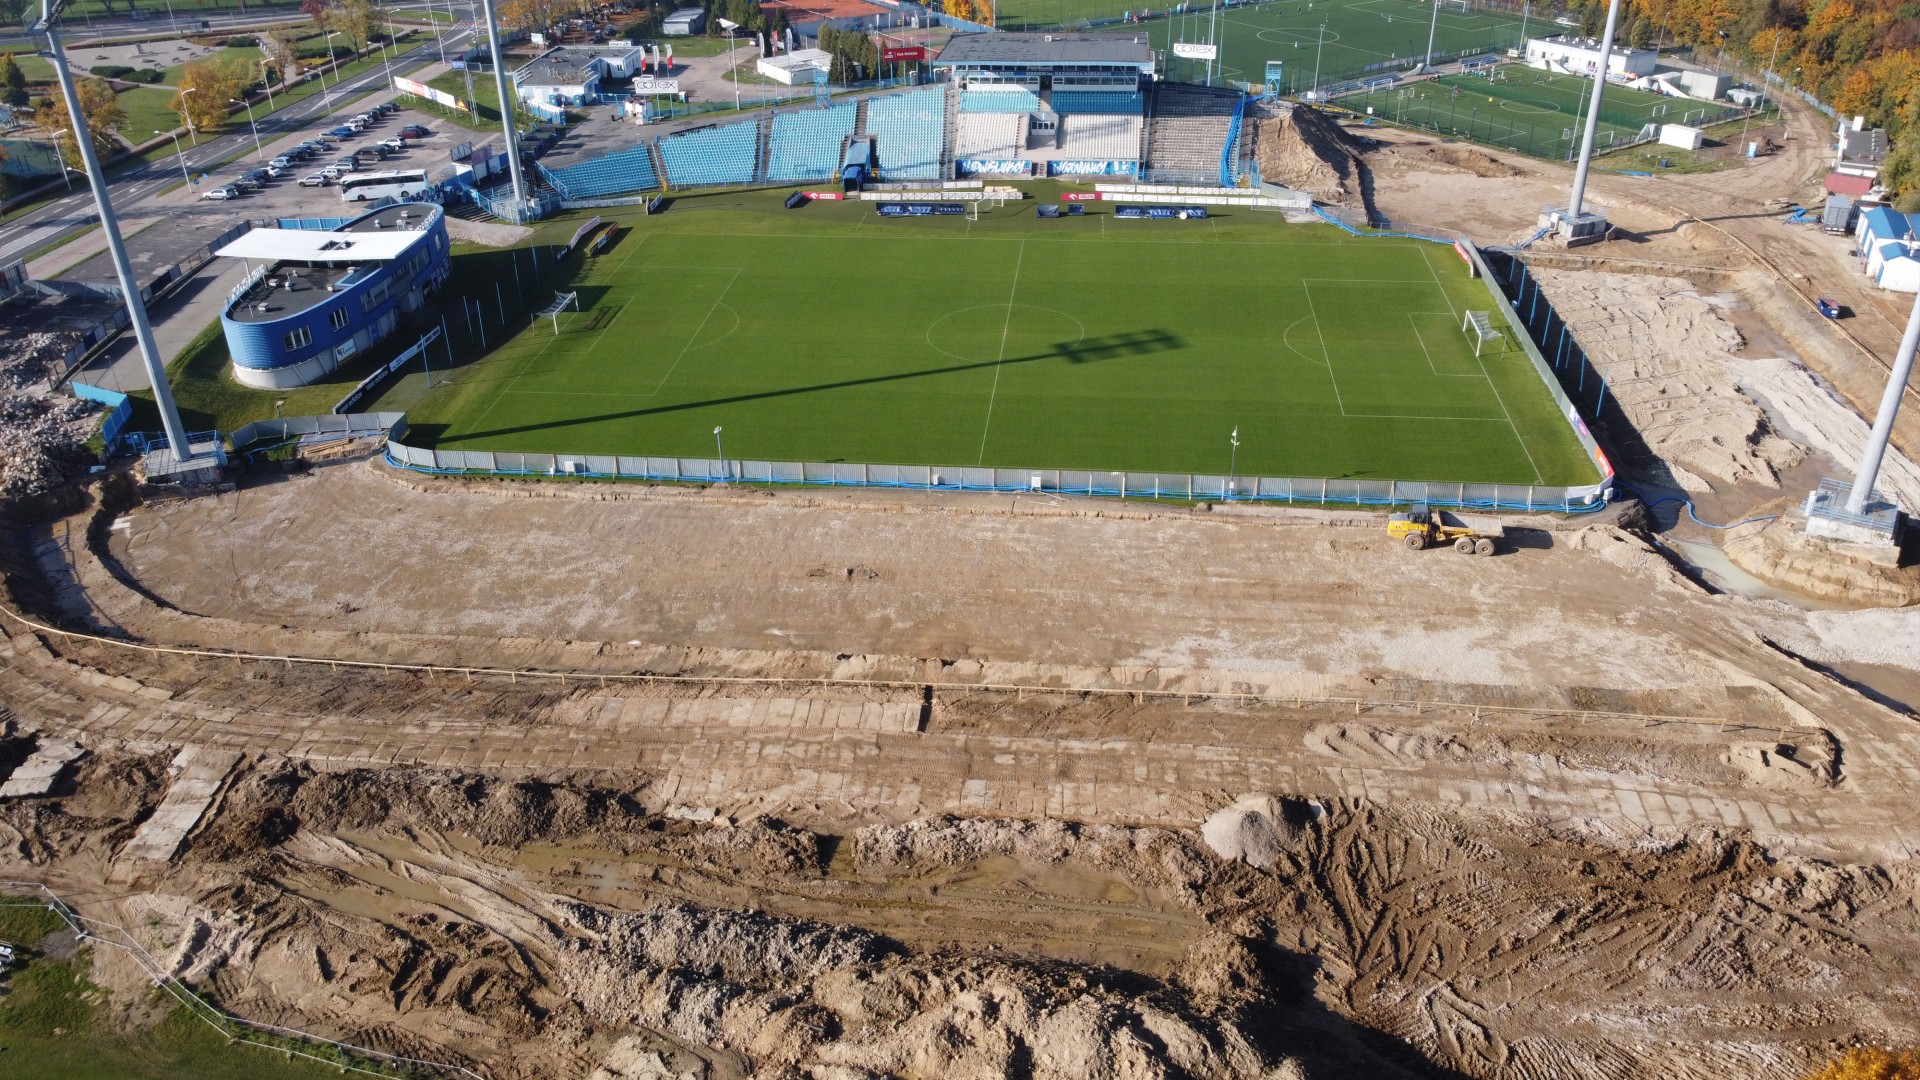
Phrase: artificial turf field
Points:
(1362, 36)
(1535, 112)
(830, 334)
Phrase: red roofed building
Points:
(1839, 183)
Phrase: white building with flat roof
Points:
(797, 67)
(1581, 56)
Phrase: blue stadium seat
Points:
(712, 156)
(1067, 102)
(619, 172)
(908, 130)
(805, 145)
(1018, 100)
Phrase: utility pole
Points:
(1593, 114)
(116, 247)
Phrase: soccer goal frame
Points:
(1480, 325)
(553, 310)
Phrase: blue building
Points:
(319, 296)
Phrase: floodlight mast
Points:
(1869, 471)
(1593, 114)
(506, 109)
(116, 247)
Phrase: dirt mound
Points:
(1477, 162)
(42, 437)
(1299, 147)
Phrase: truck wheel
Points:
(1483, 546)
(1416, 541)
(1464, 545)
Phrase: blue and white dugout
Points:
(314, 298)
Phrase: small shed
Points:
(1682, 136)
(1837, 215)
(685, 22)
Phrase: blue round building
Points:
(317, 296)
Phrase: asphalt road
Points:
(73, 214)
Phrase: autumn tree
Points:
(207, 87)
(282, 52)
(532, 15)
(103, 113)
(315, 10)
(354, 19)
(13, 81)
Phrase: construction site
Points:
(496, 778)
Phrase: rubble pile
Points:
(42, 437)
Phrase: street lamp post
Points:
(725, 473)
(268, 83)
(333, 65)
(1233, 461)
(251, 126)
(187, 114)
(1316, 58)
(179, 153)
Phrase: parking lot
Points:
(166, 228)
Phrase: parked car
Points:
(247, 183)
(394, 143)
(413, 131)
(371, 153)
(344, 132)
(347, 164)
(222, 194)
(1830, 308)
(386, 108)
(278, 171)
(317, 179)
(283, 162)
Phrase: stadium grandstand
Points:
(1064, 104)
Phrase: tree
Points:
(101, 108)
(313, 9)
(534, 15)
(207, 87)
(1872, 1063)
(13, 81)
(353, 18)
(282, 52)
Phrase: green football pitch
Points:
(1361, 36)
(831, 334)
(1535, 112)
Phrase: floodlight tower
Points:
(1433, 31)
(506, 108)
(1869, 471)
(1574, 202)
(116, 246)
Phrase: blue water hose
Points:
(1688, 503)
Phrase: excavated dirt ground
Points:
(840, 786)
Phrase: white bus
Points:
(380, 185)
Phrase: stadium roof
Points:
(319, 245)
(1041, 48)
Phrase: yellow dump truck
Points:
(1424, 527)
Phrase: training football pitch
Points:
(831, 334)
(1534, 112)
(1361, 36)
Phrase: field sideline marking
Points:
(1000, 363)
(1451, 310)
(1321, 334)
(1517, 437)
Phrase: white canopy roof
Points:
(315, 245)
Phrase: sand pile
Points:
(1667, 356)
(1299, 147)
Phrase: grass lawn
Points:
(148, 110)
(1359, 34)
(248, 57)
(1534, 112)
(54, 1024)
(484, 95)
(830, 334)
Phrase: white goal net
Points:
(1479, 325)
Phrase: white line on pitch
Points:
(1001, 362)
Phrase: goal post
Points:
(1479, 325)
(553, 310)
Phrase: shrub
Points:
(148, 76)
(111, 71)
(1872, 1063)
(239, 42)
